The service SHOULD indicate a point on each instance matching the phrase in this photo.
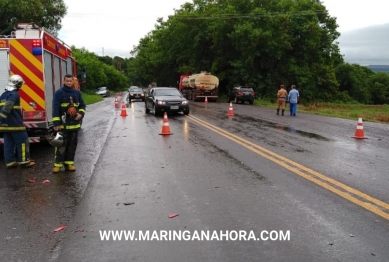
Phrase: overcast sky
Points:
(115, 26)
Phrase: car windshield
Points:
(167, 92)
(136, 90)
(101, 88)
(246, 89)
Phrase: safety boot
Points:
(12, 165)
(56, 169)
(283, 110)
(70, 167)
(28, 164)
(278, 112)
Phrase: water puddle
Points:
(281, 127)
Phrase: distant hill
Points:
(379, 68)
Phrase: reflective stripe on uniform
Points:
(56, 118)
(69, 162)
(81, 110)
(3, 115)
(72, 126)
(23, 152)
(14, 107)
(67, 104)
(12, 128)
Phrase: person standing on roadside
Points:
(281, 96)
(16, 142)
(293, 98)
(67, 102)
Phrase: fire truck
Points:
(42, 60)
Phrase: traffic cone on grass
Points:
(165, 126)
(359, 133)
(230, 110)
(124, 111)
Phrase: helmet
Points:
(16, 81)
(55, 139)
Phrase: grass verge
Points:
(371, 113)
(91, 99)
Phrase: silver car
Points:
(103, 91)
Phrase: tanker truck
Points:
(198, 86)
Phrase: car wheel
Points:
(186, 112)
(147, 110)
(251, 102)
(155, 110)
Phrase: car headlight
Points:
(185, 102)
(142, 94)
(161, 103)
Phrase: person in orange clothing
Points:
(76, 85)
(281, 97)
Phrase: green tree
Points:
(261, 43)
(44, 13)
(355, 80)
(380, 88)
(99, 73)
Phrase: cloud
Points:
(366, 46)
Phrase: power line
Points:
(221, 16)
(252, 16)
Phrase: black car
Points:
(136, 93)
(241, 94)
(166, 99)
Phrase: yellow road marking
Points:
(294, 167)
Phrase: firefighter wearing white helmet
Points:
(16, 143)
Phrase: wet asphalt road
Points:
(211, 182)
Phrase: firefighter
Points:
(76, 84)
(16, 143)
(68, 110)
(281, 96)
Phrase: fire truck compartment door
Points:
(4, 68)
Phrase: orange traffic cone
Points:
(206, 100)
(165, 126)
(116, 102)
(124, 111)
(230, 110)
(359, 133)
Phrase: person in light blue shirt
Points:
(293, 98)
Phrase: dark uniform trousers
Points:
(16, 141)
(66, 153)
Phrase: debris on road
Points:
(46, 181)
(172, 215)
(31, 180)
(60, 228)
(129, 203)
